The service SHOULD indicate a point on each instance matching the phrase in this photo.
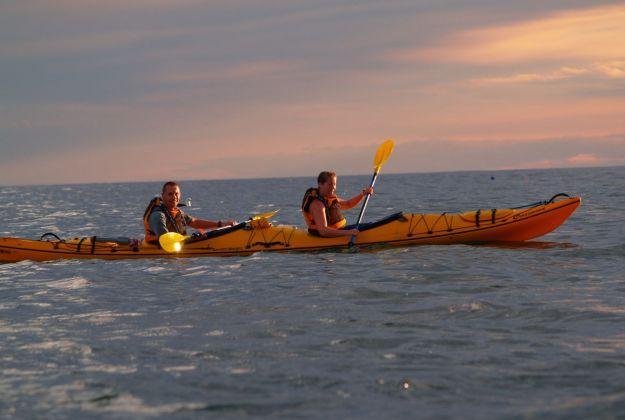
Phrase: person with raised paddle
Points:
(322, 208)
(163, 215)
(381, 156)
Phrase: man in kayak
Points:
(322, 208)
(163, 215)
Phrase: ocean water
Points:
(419, 332)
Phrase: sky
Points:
(152, 90)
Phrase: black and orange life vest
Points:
(174, 219)
(334, 217)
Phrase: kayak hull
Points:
(501, 225)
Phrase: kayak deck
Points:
(401, 229)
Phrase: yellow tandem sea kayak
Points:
(400, 229)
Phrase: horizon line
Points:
(314, 176)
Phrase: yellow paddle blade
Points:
(171, 241)
(265, 215)
(383, 153)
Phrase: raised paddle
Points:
(172, 241)
(381, 156)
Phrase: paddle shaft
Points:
(170, 243)
(364, 206)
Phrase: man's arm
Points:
(209, 224)
(158, 223)
(352, 202)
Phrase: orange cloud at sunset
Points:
(555, 74)
(587, 34)
(613, 69)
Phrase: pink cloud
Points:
(561, 74)
(601, 70)
(611, 69)
(585, 159)
(580, 159)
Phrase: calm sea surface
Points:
(426, 331)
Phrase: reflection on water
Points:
(529, 245)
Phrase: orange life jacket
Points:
(175, 220)
(334, 217)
